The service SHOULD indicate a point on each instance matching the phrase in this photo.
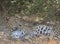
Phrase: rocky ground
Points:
(27, 23)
